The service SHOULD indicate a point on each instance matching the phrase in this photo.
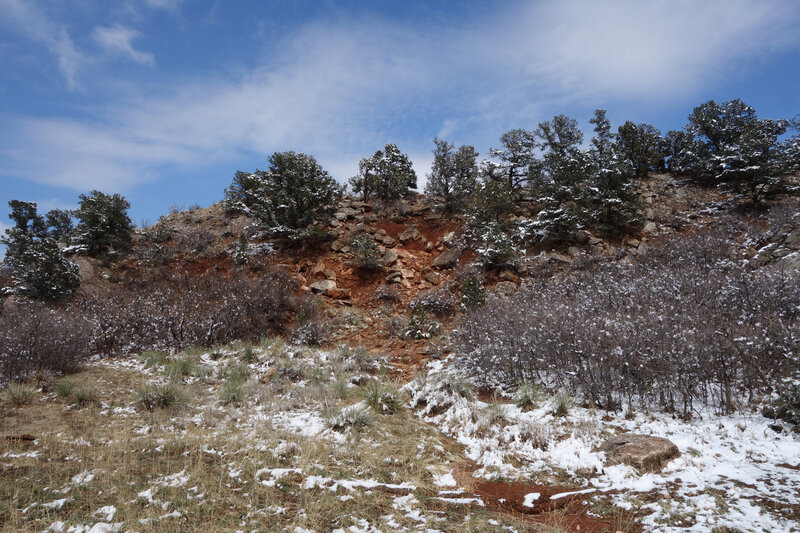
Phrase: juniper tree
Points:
(289, 197)
(387, 175)
(513, 162)
(727, 144)
(34, 258)
(558, 178)
(614, 204)
(454, 175)
(103, 223)
(642, 146)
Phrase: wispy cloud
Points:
(117, 40)
(640, 48)
(340, 90)
(26, 18)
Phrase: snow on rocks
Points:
(736, 458)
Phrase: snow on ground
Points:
(733, 470)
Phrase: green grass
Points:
(20, 394)
(160, 396)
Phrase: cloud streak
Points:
(117, 40)
(26, 18)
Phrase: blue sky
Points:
(163, 100)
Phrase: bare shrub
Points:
(683, 325)
(310, 327)
(35, 338)
(179, 312)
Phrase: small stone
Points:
(429, 247)
(650, 227)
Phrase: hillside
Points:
(270, 387)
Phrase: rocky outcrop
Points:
(644, 452)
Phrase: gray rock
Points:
(650, 227)
(408, 235)
(644, 452)
(447, 258)
(389, 257)
(323, 286)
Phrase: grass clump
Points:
(160, 396)
(152, 359)
(562, 403)
(86, 396)
(232, 393)
(20, 394)
(235, 372)
(354, 416)
(64, 387)
(179, 367)
(381, 398)
(527, 395)
(494, 413)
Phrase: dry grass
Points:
(176, 469)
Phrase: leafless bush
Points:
(195, 239)
(34, 338)
(310, 326)
(684, 325)
(387, 293)
(179, 312)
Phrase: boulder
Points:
(447, 259)
(650, 227)
(408, 235)
(338, 293)
(644, 452)
(323, 286)
(389, 257)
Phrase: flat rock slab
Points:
(644, 452)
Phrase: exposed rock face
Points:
(644, 452)
(447, 258)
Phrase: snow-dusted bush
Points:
(367, 254)
(35, 338)
(439, 302)
(176, 313)
(682, 325)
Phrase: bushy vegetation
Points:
(387, 175)
(103, 223)
(288, 198)
(169, 313)
(683, 326)
(454, 176)
(33, 256)
(366, 252)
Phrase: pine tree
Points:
(387, 175)
(34, 258)
(454, 175)
(103, 223)
(727, 144)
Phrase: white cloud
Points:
(342, 90)
(117, 39)
(638, 48)
(169, 5)
(26, 18)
